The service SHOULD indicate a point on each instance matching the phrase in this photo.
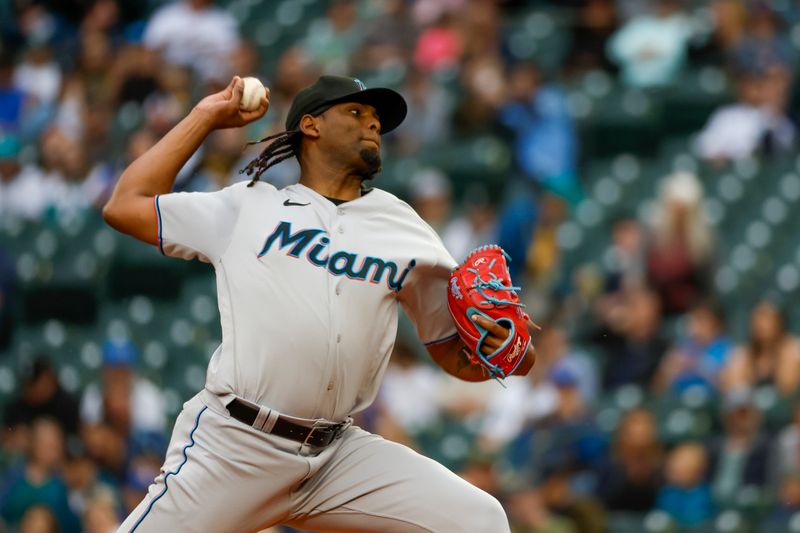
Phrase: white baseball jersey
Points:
(308, 290)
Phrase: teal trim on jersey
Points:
(176, 472)
(158, 217)
(445, 339)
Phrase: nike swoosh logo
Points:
(289, 202)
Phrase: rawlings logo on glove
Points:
(482, 286)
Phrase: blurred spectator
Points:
(625, 263)
(410, 391)
(172, 100)
(699, 357)
(686, 497)
(631, 340)
(476, 226)
(730, 19)
(105, 16)
(651, 49)
(738, 457)
(544, 253)
(143, 468)
(101, 514)
(41, 396)
(38, 519)
(295, 70)
(484, 90)
(108, 450)
(222, 160)
(520, 407)
(528, 514)
(37, 481)
(788, 502)
(559, 495)
(129, 403)
(763, 44)
(332, 40)
(195, 34)
(95, 62)
(757, 123)
(786, 456)
(545, 144)
(69, 191)
(427, 12)
(632, 477)
(431, 197)
(680, 257)
(771, 355)
(562, 364)
(594, 24)
(439, 47)
(480, 470)
(23, 191)
(517, 227)
(388, 37)
(13, 100)
(478, 24)
(39, 75)
(134, 75)
(84, 481)
(246, 60)
(429, 109)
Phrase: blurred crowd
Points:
(644, 402)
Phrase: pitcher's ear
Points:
(309, 125)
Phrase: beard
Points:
(372, 163)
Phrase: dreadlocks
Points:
(283, 146)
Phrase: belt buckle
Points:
(310, 434)
(335, 430)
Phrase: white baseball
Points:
(254, 90)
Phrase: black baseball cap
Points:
(328, 91)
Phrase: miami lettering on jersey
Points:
(342, 263)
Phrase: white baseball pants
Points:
(221, 475)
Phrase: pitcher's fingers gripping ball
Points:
(482, 286)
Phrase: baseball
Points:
(251, 96)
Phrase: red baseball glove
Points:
(482, 286)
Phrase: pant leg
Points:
(371, 484)
(219, 475)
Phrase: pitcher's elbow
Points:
(110, 214)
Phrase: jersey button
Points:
(340, 211)
(338, 290)
(340, 230)
(338, 338)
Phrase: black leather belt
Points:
(319, 436)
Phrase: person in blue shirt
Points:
(37, 481)
(545, 143)
(699, 357)
(686, 496)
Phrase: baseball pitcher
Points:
(308, 281)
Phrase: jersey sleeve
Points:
(197, 224)
(424, 297)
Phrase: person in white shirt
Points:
(756, 123)
(133, 400)
(195, 34)
(651, 49)
(23, 191)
